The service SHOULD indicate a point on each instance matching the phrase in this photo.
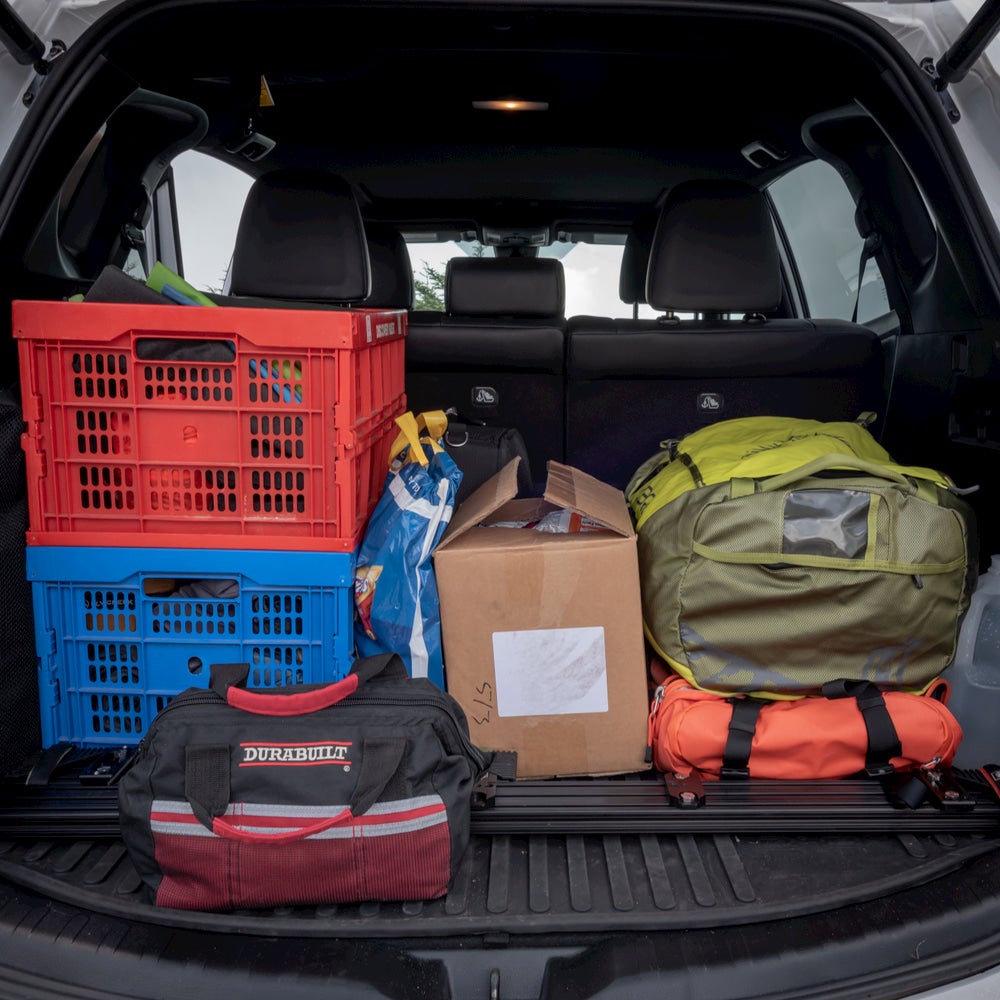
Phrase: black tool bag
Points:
(358, 790)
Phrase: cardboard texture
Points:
(542, 632)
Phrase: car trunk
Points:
(593, 886)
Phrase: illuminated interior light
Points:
(511, 104)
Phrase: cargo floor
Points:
(555, 857)
(550, 884)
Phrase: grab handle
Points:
(827, 462)
(229, 681)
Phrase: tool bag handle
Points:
(833, 461)
(229, 681)
(207, 789)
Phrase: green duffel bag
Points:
(776, 554)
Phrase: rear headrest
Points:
(392, 273)
(714, 250)
(504, 286)
(635, 261)
(301, 237)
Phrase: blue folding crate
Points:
(120, 630)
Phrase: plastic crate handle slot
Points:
(199, 350)
(207, 789)
(229, 681)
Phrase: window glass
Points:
(817, 213)
(209, 196)
(591, 272)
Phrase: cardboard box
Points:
(542, 632)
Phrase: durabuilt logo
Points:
(294, 754)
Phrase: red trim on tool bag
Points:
(292, 704)
(216, 873)
(227, 828)
(255, 815)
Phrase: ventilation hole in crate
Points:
(195, 665)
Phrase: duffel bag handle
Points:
(828, 462)
(229, 681)
(207, 789)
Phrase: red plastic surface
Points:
(222, 428)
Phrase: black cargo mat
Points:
(550, 883)
(548, 857)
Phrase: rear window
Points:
(591, 271)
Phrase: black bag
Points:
(358, 790)
(481, 452)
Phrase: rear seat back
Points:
(497, 352)
(633, 383)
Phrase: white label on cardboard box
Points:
(550, 671)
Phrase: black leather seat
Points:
(497, 352)
(633, 383)
(391, 270)
(301, 243)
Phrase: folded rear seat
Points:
(633, 383)
(497, 352)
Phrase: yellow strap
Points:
(434, 423)
(408, 437)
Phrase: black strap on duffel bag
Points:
(357, 790)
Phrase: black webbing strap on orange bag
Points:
(883, 740)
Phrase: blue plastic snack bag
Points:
(395, 591)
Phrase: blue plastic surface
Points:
(116, 640)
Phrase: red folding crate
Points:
(222, 428)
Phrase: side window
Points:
(817, 213)
(209, 195)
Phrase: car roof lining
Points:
(652, 97)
